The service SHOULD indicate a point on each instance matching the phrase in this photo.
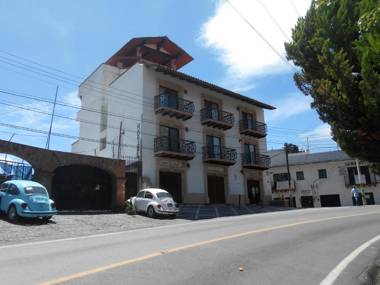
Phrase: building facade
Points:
(320, 179)
(201, 142)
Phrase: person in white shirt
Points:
(355, 195)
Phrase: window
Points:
(148, 195)
(280, 177)
(249, 153)
(300, 175)
(353, 175)
(168, 97)
(214, 147)
(248, 120)
(4, 187)
(212, 110)
(141, 194)
(172, 135)
(322, 173)
(164, 195)
(13, 190)
(103, 143)
(35, 190)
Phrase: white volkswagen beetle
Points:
(153, 202)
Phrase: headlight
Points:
(52, 205)
(159, 206)
(24, 205)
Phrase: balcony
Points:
(219, 155)
(253, 128)
(217, 119)
(173, 106)
(255, 161)
(174, 148)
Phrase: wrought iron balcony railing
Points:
(252, 160)
(173, 147)
(217, 118)
(173, 106)
(253, 128)
(221, 155)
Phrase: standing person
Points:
(355, 195)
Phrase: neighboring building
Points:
(201, 142)
(319, 179)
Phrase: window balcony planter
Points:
(255, 161)
(217, 118)
(174, 148)
(253, 128)
(168, 105)
(219, 155)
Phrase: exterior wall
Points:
(335, 183)
(120, 91)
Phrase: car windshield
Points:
(35, 190)
(163, 195)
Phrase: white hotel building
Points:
(201, 142)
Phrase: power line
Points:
(295, 8)
(274, 20)
(260, 35)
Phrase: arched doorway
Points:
(14, 167)
(82, 187)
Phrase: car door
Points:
(11, 193)
(139, 200)
(147, 199)
(3, 192)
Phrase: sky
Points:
(45, 44)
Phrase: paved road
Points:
(292, 247)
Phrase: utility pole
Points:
(119, 144)
(286, 148)
(307, 144)
(51, 121)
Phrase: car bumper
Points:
(37, 214)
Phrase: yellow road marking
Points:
(193, 245)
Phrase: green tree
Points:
(337, 49)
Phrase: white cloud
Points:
(238, 47)
(322, 132)
(27, 115)
(294, 104)
(72, 98)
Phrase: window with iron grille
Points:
(322, 173)
(300, 175)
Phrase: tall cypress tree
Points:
(337, 49)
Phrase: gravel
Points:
(65, 226)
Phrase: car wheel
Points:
(46, 219)
(150, 212)
(12, 213)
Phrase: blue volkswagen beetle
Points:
(25, 198)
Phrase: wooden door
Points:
(171, 182)
(215, 186)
